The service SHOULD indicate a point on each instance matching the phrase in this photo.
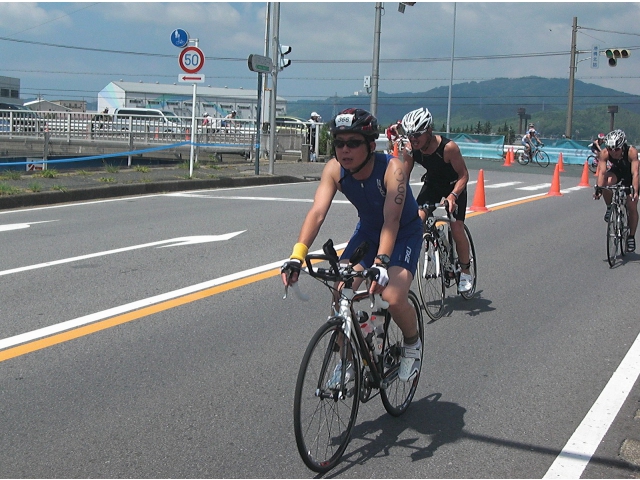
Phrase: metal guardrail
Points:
(96, 132)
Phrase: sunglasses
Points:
(349, 143)
(614, 149)
(417, 134)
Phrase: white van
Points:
(147, 120)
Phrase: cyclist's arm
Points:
(635, 167)
(603, 157)
(453, 156)
(321, 203)
(407, 158)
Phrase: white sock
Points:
(416, 345)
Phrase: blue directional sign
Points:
(180, 38)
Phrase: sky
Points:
(73, 50)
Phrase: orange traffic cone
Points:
(507, 158)
(395, 149)
(560, 162)
(554, 191)
(478, 198)
(584, 181)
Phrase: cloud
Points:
(18, 18)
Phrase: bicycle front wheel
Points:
(523, 159)
(542, 158)
(431, 278)
(323, 415)
(398, 395)
(623, 228)
(473, 265)
(612, 237)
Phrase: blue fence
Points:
(493, 147)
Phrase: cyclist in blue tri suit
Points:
(624, 168)
(379, 189)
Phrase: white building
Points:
(217, 102)
(46, 106)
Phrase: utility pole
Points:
(572, 74)
(274, 84)
(375, 73)
(453, 50)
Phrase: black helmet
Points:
(355, 120)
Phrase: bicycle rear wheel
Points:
(397, 397)
(612, 237)
(473, 265)
(521, 157)
(431, 278)
(542, 158)
(322, 418)
(592, 161)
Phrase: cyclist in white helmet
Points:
(528, 140)
(446, 177)
(624, 168)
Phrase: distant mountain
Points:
(497, 101)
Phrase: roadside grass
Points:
(35, 187)
(8, 189)
(11, 175)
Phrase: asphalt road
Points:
(147, 337)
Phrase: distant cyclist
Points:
(598, 144)
(624, 168)
(528, 140)
(394, 132)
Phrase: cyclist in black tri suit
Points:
(446, 177)
(624, 168)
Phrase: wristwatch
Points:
(384, 260)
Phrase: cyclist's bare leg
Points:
(609, 180)
(462, 243)
(397, 294)
(632, 208)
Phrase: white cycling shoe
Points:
(466, 282)
(410, 363)
(334, 381)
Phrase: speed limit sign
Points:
(191, 59)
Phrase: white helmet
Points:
(615, 139)
(206, 114)
(417, 121)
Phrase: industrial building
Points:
(217, 102)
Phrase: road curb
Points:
(111, 191)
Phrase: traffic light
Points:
(284, 50)
(613, 54)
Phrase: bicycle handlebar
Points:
(431, 207)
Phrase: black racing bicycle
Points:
(537, 155)
(327, 396)
(438, 264)
(618, 224)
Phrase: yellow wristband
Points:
(300, 251)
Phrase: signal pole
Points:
(572, 73)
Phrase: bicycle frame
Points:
(345, 316)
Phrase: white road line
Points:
(235, 197)
(535, 187)
(577, 453)
(501, 185)
(119, 310)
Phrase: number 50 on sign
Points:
(191, 60)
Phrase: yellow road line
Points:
(130, 316)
